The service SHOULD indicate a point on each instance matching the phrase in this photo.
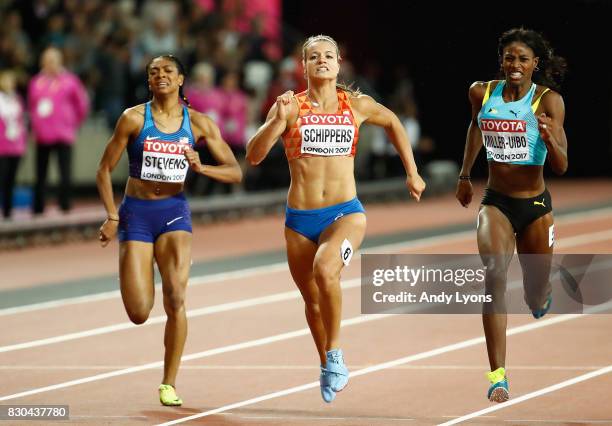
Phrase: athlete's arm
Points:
(128, 124)
(473, 142)
(550, 125)
(371, 112)
(228, 170)
(277, 121)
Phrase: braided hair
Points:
(181, 71)
(552, 67)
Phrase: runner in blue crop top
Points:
(519, 121)
(154, 221)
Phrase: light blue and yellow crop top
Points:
(510, 129)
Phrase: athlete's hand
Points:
(464, 192)
(193, 158)
(416, 185)
(107, 232)
(545, 126)
(283, 104)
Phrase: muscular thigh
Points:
(537, 237)
(352, 228)
(300, 257)
(173, 256)
(535, 248)
(136, 271)
(494, 233)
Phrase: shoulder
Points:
(132, 118)
(478, 89)
(551, 101)
(548, 95)
(201, 123)
(361, 102)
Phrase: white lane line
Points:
(198, 355)
(577, 240)
(302, 367)
(194, 281)
(208, 310)
(224, 307)
(282, 266)
(579, 422)
(390, 364)
(531, 395)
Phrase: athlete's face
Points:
(321, 60)
(518, 63)
(164, 76)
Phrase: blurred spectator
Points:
(206, 98)
(58, 104)
(202, 93)
(234, 113)
(12, 138)
(112, 65)
(234, 116)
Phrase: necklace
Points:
(312, 101)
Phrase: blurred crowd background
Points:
(240, 54)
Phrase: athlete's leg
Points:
(136, 279)
(327, 266)
(496, 246)
(173, 256)
(534, 245)
(300, 256)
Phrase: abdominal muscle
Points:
(318, 182)
(150, 190)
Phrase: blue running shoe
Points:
(327, 393)
(498, 391)
(339, 374)
(539, 313)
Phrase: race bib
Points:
(327, 134)
(44, 108)
(164, 161)
(505, 140)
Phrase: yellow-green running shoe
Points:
(498, 391)
(168, 396)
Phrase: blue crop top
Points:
(159, 156)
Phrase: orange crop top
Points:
(325, 135)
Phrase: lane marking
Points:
(208, 310)
(305, 367)
(198, 355)
(160, 319)
(390, 364)
(282, 266)
(531, 395)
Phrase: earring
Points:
(537, 69)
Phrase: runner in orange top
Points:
(325, 222)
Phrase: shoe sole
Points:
(499, 395)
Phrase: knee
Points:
(326, 275)
(497, 270)
(312, 308)
(138, 315)
(174, 300)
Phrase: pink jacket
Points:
(207, 101)
(57, 105)
(12, 128)
(234, 117)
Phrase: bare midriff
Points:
(149, 190)
(318, 182)
(516, 180)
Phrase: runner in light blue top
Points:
(519, 120)
(510, 129)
